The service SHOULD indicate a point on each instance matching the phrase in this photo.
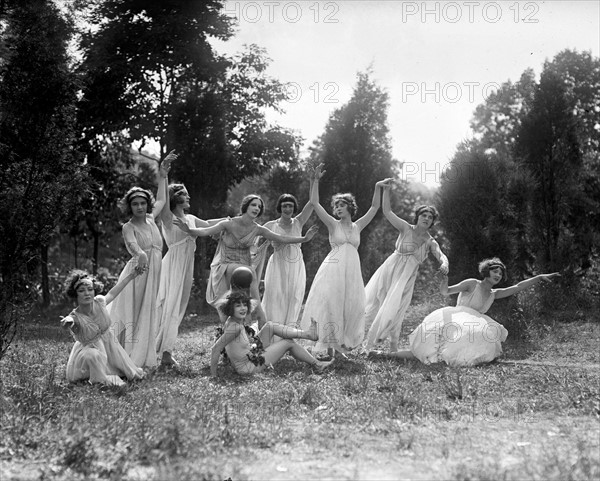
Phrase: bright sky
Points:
(436, 60)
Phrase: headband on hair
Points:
(81, 281)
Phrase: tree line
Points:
(81, 83)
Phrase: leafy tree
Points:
(472, 204)
(495, 123)
(548, 147)
(41, 175)
(356, 152)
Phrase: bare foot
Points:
(313, 330)
(320, 366)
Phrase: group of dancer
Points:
(136, 324)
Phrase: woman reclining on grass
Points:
(249, 359)
(96, 355)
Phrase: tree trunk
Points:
(45, 280)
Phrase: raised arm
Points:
(162, 195)
(509, 291)
(328, 220)
(441, 257)
(464, 286)
(368, 217)
(308, 209)
(119, 286)
(397, 222)
(232, 330)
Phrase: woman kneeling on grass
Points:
(96, 355)
(249, 359)
(464, 335)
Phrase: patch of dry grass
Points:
(364, 419)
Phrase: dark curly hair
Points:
(125, 202)
(175, 193)
(287, 198)
(74, 279)
(248, 199)
(488, 264)
(426, 208)
(348, 199)
(232, 299)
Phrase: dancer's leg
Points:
(271, 329)
(276, 351)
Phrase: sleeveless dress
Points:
(337, 297)
(176, 279)
(134, 310)
(97, 355)
(390, 290)
(230, 250)
(461, 335)
(285, 279)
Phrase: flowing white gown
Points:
(337, 296)
(461, 335)
(96, 354)
(285, 279)
(134, 310)
(390, 289)
(176, 279)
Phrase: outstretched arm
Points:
(287, 239)
(200, 231)
(328, 220)
(509, 291)
(368, 217)
(464, 286)
(397, 222)
(119, 286)
(440, 256)
(232, 330)
(206, 223)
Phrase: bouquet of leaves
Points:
(256, 347)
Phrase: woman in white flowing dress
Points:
(96, 354)
(237, 237)
(337, 296)
(177, 271)
(464, 335)
(134, 311)
(285, 276)
(390, 289)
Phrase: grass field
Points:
(533, 415)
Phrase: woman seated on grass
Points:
(96, 355)
(249, 359)
(464, 335)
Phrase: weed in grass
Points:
(79, 454)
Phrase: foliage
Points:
(42, 176)
(526, 187)
(356, 152)
(548, 148)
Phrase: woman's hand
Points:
(142, 265)
(444, 269)
(182, 224)
(166, 163)
(311, 232)
(385, 183)
(548, 277)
